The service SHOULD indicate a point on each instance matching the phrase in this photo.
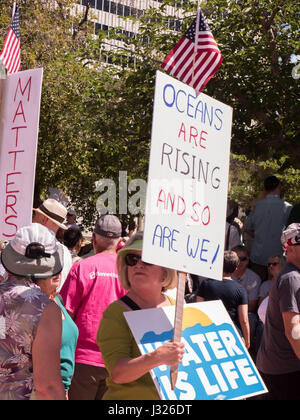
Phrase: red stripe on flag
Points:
(182, 64)
(11, 53)
(210, 70)
(176, 52)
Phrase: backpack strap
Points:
(129, 302)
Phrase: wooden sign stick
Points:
(178, 321)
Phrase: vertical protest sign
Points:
(20, 110)
(188, 180)
(216, 364)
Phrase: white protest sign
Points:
(19, 124)
(216, 365)
(188, 180)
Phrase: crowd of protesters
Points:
(63, 334)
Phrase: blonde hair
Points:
(281, 258)
(170, 278)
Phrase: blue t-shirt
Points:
(230, 292)
(68, 345)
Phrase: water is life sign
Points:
(216, 364)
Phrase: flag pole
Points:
(3, 74)
(14, 9)
(196, 37)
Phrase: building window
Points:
(113, 8)
(120, 9)
(127, 11)
(85, 3)
(106, 5)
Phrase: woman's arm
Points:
(244, 323)
(117, 346)
(128, 370)
(46, 355)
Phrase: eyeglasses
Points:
(243, 258)
(132, 259)
(273, 263)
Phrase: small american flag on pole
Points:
(196, 57)
(11, 52)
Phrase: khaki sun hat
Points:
(54, 210)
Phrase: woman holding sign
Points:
(129, 376)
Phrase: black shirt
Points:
(230, 292)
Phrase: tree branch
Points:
(267, 25)
(83, 20)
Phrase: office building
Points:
(106, 14)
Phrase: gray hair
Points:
(106, 243)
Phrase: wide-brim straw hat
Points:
(33, 253)
(54, 210)
(135, 243)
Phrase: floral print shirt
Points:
(21, 306)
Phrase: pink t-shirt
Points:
(92, 285)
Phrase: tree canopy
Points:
(258, 40)
(96, 118)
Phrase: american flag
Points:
(196, 57)
(11, 53)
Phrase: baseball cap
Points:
(108, 226)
